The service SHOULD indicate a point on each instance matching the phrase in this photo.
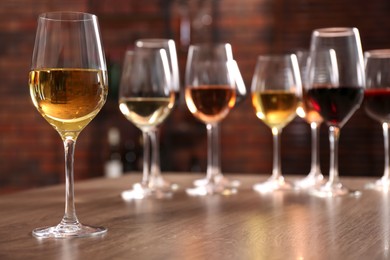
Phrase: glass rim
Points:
(378, 53)
(152, 42)
(276, 56)
(67, 16)
(210, 45)
(335, 31)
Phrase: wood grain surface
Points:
(247, 225)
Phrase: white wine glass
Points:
(377, 104)
(68, 86)
(210, 94)
(169, 46)
(276, 93)
(146, 99)
(314, 119)
(224, 52)
(336, 82)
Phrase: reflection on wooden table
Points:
(247, 225)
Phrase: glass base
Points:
(221, 179)
(141, 191)
(68, 231)
(309, 182)
(210, 189)
(159, 182)
(329, 190)
(272, 184)
(383, 184)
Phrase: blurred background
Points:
(31, 151)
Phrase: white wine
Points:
(275, 108)
(146, 112)
(68, 98)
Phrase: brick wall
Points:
(31, 152)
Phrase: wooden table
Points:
(247, 225)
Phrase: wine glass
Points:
(146, 99)
(156, 177)
(210, 94)
(225, 52)
(276, 92)
(335, 88)
(377, 104)
(68, 86)
(314, 119)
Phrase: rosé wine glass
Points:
(225, 52)
(210, 94)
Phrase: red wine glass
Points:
(377, 104)
(336, 82)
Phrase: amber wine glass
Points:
(314, 119)
(224, 52)
(276, 92)
(146, 99)
(68, 86)
(377, 104)
(336, 82)
(210, 94)
(156, 178)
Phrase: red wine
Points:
(336, 104)
(377, 104)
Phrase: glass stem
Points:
(217, 148)
(276, 168)
(385, 127)
(146, 165)
(334, 134)
(155, 156)
(212, 155)
(315, 166)
(70, 217)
